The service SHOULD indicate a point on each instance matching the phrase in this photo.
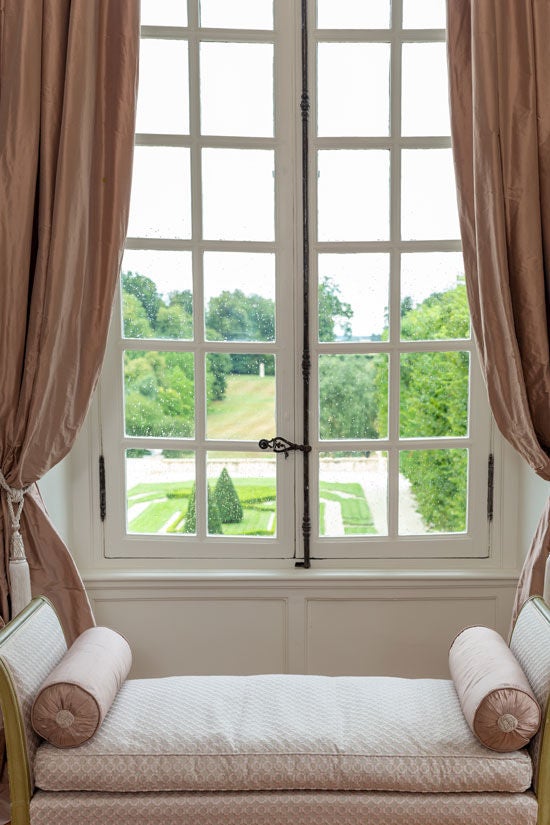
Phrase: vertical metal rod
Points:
(102, 490)
(306, 357)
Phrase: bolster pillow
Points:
(496, 698)
(75, 698)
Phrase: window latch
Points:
(281, 445)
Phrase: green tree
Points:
(174, 322)
(333, 312)
(214, 518)
(433, 403)
(227, 499)
(145, 290)
(348, 397)
(218, 366)
(441, 315)
(190, 523)
(159, 393)
(136, 322)
(228, 315)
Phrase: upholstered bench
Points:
(270, 749)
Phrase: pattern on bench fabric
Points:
(283, 808)
(283, 732)
(530, 644)
(30, 653)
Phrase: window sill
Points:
(298, 578)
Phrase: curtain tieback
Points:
(20, 582)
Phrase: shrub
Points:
(214, 518)
(190, 525)
(227, 499)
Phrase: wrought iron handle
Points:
(282, 445)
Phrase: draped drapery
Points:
(68, 74)
(499, 70)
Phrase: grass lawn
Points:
(354, 509)
(168, 500)
(247, 411)
(257, 495)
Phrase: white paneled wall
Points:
(333, 627)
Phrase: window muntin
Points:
(226, 221)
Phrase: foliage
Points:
(234, 316)
(218, 366)
(145, 291)
(159, 386)
(214, 520)
(348, 397)
(441, 315)
(214, 517)
(438, 480)
(227, 499)
(333, 312)
(190, 523)
(353, 389)
(433, 403)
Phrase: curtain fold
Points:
(68, 75)
(499, 65)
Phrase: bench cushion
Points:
(283, 732)
(283, 808)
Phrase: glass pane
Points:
(425, 91)
(433, 487)
(163, 13)
(240, 396)
(233, 75)
(427, 14)
(160, 206)
(353, 396)
(353, 296)
(353, 14)
(353, 89)
(434, 303)
(429, 209)
(237, 14)
(157, 294)
(163, 93)
(159, 485)
(159, 394)
(238, 194)
(353, 494)
(239, 296)
(353, 195)
(242, 494)
(434, 394)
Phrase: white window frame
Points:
(440, 549)
(475, 542)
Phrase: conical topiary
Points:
(227, 499)
(190, 523)
(214, 518)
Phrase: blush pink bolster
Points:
(496, 698)
(75, 698)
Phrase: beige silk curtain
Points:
(499, 73)
(68, 74)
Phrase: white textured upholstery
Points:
(283, 808)
(530, 643)
(30, 652)
(282, 732)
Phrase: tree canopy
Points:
(353, 388)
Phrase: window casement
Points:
(206, 351)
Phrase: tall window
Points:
(206, 349)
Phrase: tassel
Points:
(20, 585)
(19, 573)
